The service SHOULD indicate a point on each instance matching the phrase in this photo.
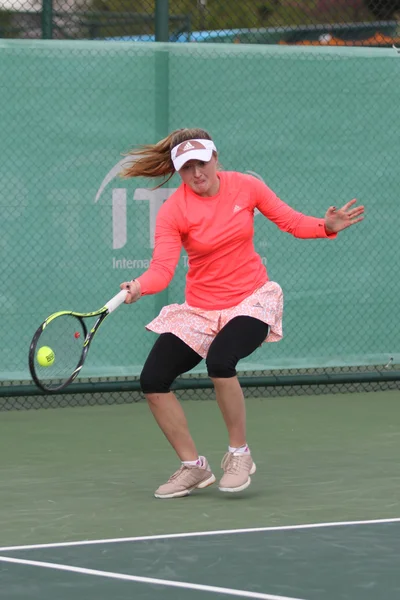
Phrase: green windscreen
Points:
(318, 125)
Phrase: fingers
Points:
(134, 291)
(356, 211)
(130, 298)
(352, 213)
(346, 210)
(349, 204)
(351, 222)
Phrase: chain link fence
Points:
(292, 382)
(301, 108)
(310, 22)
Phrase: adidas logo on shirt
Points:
(236, 208)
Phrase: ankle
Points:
(199, 462)
(244, 449)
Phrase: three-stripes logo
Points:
(187, 146)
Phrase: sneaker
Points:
(185, 480)
(237, 470)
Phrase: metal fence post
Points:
(47, 19)
(162, 21)
(161, 125)
(162, 95)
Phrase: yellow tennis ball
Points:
(45, 356)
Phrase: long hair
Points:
(154, 160)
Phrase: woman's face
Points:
(201, 176)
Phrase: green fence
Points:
(319, 125)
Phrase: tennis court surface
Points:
(320, 521)
(347, 560)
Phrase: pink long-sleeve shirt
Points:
(217, 234)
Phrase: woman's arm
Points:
(286, 218)
(165, 258)
(304, 226)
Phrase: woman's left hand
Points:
(337, 219)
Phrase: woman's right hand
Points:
(134, 291)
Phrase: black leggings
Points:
(170, 356)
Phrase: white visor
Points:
(192, 150)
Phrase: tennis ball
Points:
(45, 356)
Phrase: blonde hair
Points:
(154, 160)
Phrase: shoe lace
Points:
(231, 463)
(177, 473)
(182, 471)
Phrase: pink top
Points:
(217, 234)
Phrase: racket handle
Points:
(116, 301)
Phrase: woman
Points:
(230, 306)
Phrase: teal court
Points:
(357, 560)
(321, 520)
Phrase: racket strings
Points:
(65, 336)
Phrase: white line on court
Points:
(149, 580)
(168, 536)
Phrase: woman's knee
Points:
(169, 358)
(221, 366)
(155, 382)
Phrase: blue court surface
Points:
(356, 560)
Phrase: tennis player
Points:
(231, 307)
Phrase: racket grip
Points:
(116, 301)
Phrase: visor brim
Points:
(195, 154)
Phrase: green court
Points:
(358, 560)
(321, 519)
(78, 519)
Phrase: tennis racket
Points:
(60, 345)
